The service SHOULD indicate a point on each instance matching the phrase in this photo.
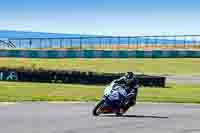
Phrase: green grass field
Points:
(181, 66)
(15, 91)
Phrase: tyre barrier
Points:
(49, 76)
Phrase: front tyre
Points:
(97, 109)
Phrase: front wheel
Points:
(97, 109)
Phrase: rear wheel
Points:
(97, 109)
(120, 112)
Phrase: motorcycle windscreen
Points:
(108, 89)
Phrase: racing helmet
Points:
(129, 77)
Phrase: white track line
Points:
(77, 102)
(7, 103)
(66, 102)
(163, 103)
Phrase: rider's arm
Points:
(120, 80)
(134, 87)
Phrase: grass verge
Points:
(183, 66)
(15, 91)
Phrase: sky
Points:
(102, 17)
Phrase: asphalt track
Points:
(77, 118)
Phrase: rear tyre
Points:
(96, 110)
(120, 112)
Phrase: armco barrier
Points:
(100, 54)
(73, 77)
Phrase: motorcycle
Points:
(104, 106)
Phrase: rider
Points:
(125, 89)
(131, 84)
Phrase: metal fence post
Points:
(20, 43)
(100, 42)
(156, 42)
(110, 42)
(119, 41)
(146, 42)
(71, 41)
(80, 43)
(137, 43)
(175, 42)
(184, 42)
(61, 43)
(128, 42)
(40, 43)
(50, 41)
(30, 43)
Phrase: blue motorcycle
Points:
(105, 106)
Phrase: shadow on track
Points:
(136, 116)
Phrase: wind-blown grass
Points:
(181, 66)
(16, 91)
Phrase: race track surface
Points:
(77, 118)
